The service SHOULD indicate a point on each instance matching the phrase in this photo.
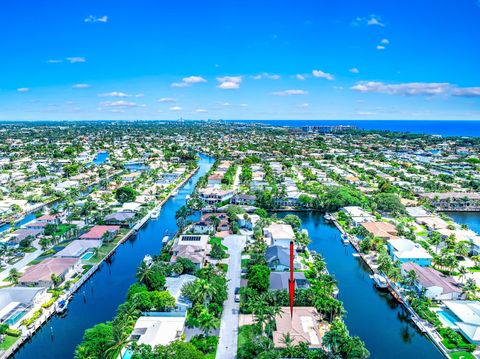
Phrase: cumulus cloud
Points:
(93, 18)
(229, 82)
(189, 81)
(300, 77)
(120, 103)
(76, 59)
(81, 86)
(266, 75)
(466, 92)
(23, 89)
(354, 70)
(407, 89)
(54, 61)
(303, 105)
(380, 47)
(114, 94)
(385, 41)
(175, 108)
(372, 20)
(323, 75)
(201, 110)
(166, 100)
(290, 93)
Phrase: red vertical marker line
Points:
(291, 282)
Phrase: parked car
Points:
(237, 295)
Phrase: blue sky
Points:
(357, 59)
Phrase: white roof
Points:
(405, 248)
(280, 231)
(356, 211)
(417, 212)
(175, 284)
(158, 330)
(193, 240)
(468, 310)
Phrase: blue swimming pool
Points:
(448, 318)
(15, 317)
(87, 256)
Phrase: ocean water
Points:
(443, 128)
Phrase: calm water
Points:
(101, 158)
(372, 315)
(99, 297)
(471, 219)
(444, 128)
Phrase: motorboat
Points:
(61, 306)
(165, 239)
(380, 281)
(155, 213)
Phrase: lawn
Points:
(107, 247)
(462, 355)
(7, 342)
(218, 240)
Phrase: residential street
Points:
(23, 262)
(227, 345)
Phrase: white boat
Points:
(61, 306)
(165, 239)
(155, 213)
(380, 281)
(174, 193)
(328, 217)
(148, 260)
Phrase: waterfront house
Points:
(50, 218)
(454, 201)
(279, 234)
(215, 195)
(247, 221)
(436, 285)
(174, 285)
(120, 218)
(305, 326)
(98, 232)
(279, 280)
(215, 179)
(358, 215)
(404, 250)
(132, 207)
(40, 275)
(193, 247)
(278, 258)
(15, 302)
(34, 225)
(417, 212)
(432, 223)
(243, 200)
(158, 328)
(202, 227)
(21, 234)
(78, 248)
(382, 230)
(464, 316)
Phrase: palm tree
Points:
(411, 278)
(13, 276)
(207, 321)
(120, 338)
(463, 273)
(288, 342)
(204, 291)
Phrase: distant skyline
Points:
(302, 60)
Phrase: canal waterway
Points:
(374, 316)
(97, 300)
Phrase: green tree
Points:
(125, 194)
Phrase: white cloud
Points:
(243, 105)
(385, 41)
(139, 95)
(76, 59)
(290, 93)
(303, 105)
(166, 100)
(466, 92)
(380, 47)
(323, 75)
(226, 104)
(23, 89)
(189, 81)
(354, 70)
(300, 77)
(114, 94)
(93, 18)
(81, 86)
(229, 82)
(201, 110)
(372, 20)
(54, 61)
(266, 75)
(407, 89)
(175, 108)
(120, 103)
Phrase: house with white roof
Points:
(404, 250)
(174, 285)
(279, 234)
(465, 317)
(358, 215)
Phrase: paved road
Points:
(227, 344)
(23, 262)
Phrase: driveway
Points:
(23, 262)
(227, 344)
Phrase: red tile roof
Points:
(97, 232)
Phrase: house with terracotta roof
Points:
(101, 233)
(305, 326)
(40, 275)
(383, 230)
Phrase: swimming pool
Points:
(87, 256)
(447, 318)
(15, 317)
